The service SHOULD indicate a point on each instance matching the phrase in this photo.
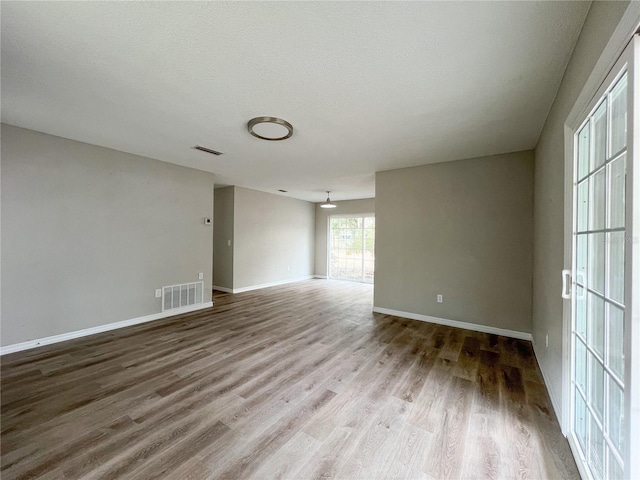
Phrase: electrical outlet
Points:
(439, 298)
(546, 341)
(158, 292)
(200, 276)
(228, 243)
(288, 268)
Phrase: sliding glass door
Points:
(602, 280)
(351, 247)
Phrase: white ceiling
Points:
(367, 86)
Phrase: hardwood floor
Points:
(296, 381)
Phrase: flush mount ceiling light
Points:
(328, 203)
(270, 128)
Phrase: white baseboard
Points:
(263, 285)
(17, 347)
(223, 289)
(555, 401)
(271, 284)
(455, 323)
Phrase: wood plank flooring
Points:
(296, 381)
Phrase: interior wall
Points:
(89, 233)
(273, 238)
(223, 237)
(345, 207)
(461, 229)
(548, 262)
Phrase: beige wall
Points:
(345, 207)
(601, 21)
(223, 237)
(89, 233)
(273, 238)
(462, 229)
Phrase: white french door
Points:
(351, 247)
(603, 429)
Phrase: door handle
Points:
(566, 284)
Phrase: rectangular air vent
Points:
(283, 191)
(183, 295)
(208, 150)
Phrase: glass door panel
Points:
(599, 284)
(352, 248)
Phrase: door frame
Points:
(591, 91)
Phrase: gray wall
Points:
(601, 21)
(223, 237)
(273, 238)
(462, 229)
(366, 205)
(89, 233)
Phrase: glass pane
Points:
(616, 415)
(583, 151)
(616, 266)
(616, 192)
(597, 201)
(369, 239)
(581, 259)
(583, 197)
(615, 470)
(581, 311)
(580, 422)
(369, 222)
(595, 323)
(599, 151)
(596, 386)
(595, 278)
(596, 450)
(616, 340)
(619, 115)
(581, 364)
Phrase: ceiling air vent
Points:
(208, 150)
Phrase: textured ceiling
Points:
(367, 86)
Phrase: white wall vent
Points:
(183, 295)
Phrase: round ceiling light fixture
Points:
(270, 128)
